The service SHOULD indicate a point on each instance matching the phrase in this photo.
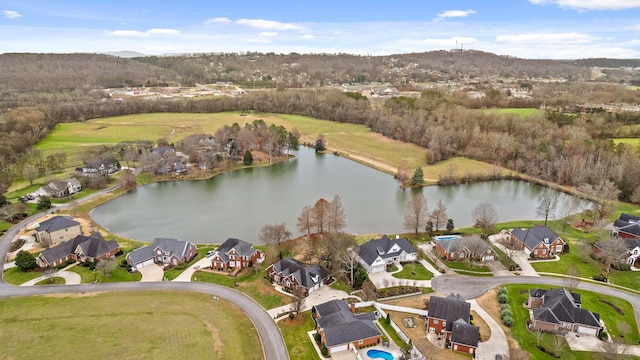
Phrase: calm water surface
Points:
(238, 203)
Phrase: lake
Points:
(238, 203)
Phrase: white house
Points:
(375, 255)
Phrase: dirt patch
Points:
(485, 330)
(215, 337)
(490, 304)
(74, 295)
(415, 302)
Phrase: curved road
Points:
(273, 344)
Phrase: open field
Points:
(129, 325)
(522, 112)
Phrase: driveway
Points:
(152, 272)
(188, 272)
(519, 257)
(497, 343)
(70, 278)
(320, 296)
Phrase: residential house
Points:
(98, 168)
(450, 318)
(84, 249)
(163, 251)
(629, 255)
(293, 274)
(375, 255)
(235, 254)
(559, 311)
(56, 229)
(627, 226)
(539, 240)
(341, 329)
(464, 248)
(60, 188)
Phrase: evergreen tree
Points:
(43, 203)
(248, 158)
(25, 261)
(320, 145)
(450, 225)
(418, 177)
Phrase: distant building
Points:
(84, 249)
(235, 254)
(60, 188)
(163, 251)
(539, 240)
(341, 329)
(292, 274)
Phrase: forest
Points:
(567, 144)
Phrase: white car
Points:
(210, 253)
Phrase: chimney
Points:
(353, 307)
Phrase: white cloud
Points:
(455, 13)
(10, 14)
(268, 24)
(591, 4)
(217, 20)
(307, 36)
(541, 38)
(634, 27)
(268, 34)
(145, 34)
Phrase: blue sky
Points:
(551, 29)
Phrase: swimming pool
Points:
(379, 354)
(447, 237)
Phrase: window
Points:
(455, 347)
(436, 321)
(558, 248)
(360, 342)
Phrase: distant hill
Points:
(125, 54)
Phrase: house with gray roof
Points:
(292, 274)
(235, 254)
(464, 248)
(376, 254)
(627, 226)
(84, 249)
(57, 229)
(450, 317)
(560, 311)
(60, 188)
(539, 240)
(163, 251)
(341, 329)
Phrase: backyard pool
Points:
(379, 354)
(447, 237)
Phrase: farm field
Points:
(131, 325)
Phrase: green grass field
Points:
(14, 276)
(408, 271)
(634, 142)
(295, 336)
(126, 325)
(522, 112)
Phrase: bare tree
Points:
(559, 344)
(30, 172)
(475, 245)
(49, 272)
(611, 350)
(128, 180)
(547, 202)
(320, 215)
(572, 278)
(624, 328)
(106, 266)
(404, 172)
(511, 246)
(485, 217)
(603, 195)
(297, 300)
(337, 218)
(610, 250)
(416, 214)
(538, 334)
(566, 211)
(584, 251)
(439, 215)
(273, 236)
(305, 221)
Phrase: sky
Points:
(534, 29)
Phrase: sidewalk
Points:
(317, 297)
(70, 278)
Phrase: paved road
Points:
(272, 342)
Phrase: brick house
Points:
(450, 317)
(341, 329)
(539, 240)
(57, 229)
(234, 254)
(292, 274)
(84, 249)
(559, 311)
(163, 251)
(463, 248)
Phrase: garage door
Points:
(379, 268)
(335, 349)
(586, 330)
(145, 263)
(488, 258)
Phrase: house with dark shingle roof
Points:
(292, 274)
(341, 329)
(234, 254)
(376, 254)
(164, 251)
(464, 248)
(627, 226)
(450, 317)
(539, 240)
(560, 311)
(57, 229)
(84, 249)
(60, 188)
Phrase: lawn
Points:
(393, 334)
(14, 276)
(295, 336)
(56, 280)
(127, 325)
(249, 282)
(117, 275)
(176, 271)
(521, 112)
(414, 271)
(464, 266)
(518, 294)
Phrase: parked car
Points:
(210, 253)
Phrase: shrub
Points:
(603, 335)
(503, 298)
(505, 314)
(318, 337)
(505, 307)
(507, 321)
(621, 266)
(502, 291)
(600, 277)
(324, 351)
